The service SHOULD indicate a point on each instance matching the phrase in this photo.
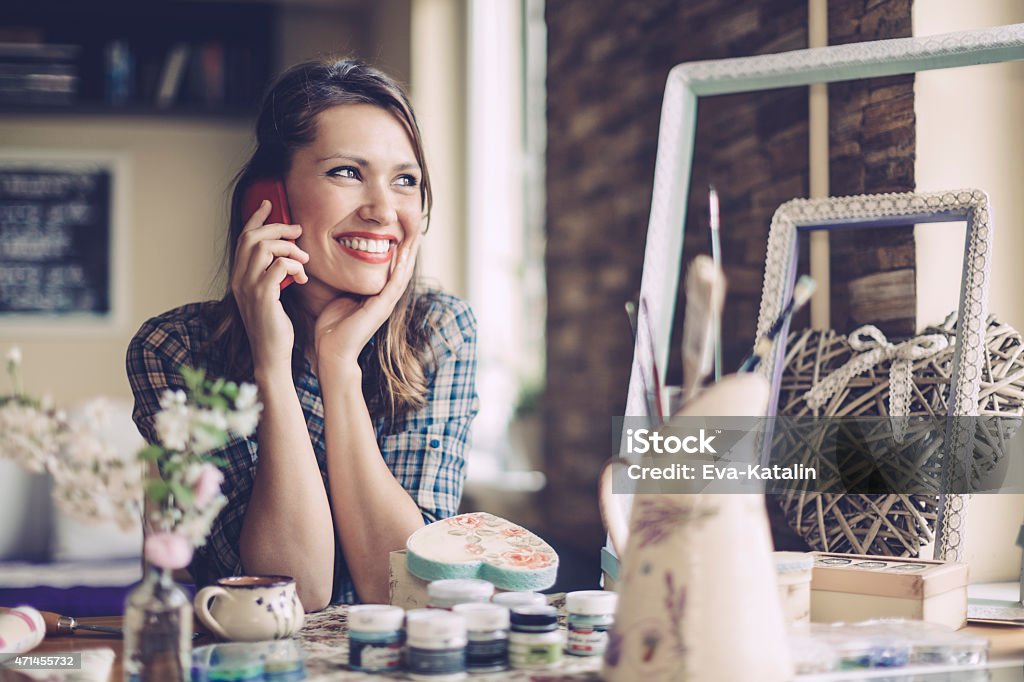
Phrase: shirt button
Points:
(435, 443)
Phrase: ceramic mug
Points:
(251, 608)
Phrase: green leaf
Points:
(193, 378)
(157, 490)
(182, 494)
(151, 453)
(230, 391)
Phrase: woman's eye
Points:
(343, 172)
(407, 181)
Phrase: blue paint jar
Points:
(486, 636)
(375, 638)
(435, 645)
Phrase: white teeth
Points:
(368, 245)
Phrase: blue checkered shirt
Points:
(425, 450)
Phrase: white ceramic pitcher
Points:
(697, 588)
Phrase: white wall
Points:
(176, 213)
(970, 134)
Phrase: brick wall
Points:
(607, 65)
(872, 143)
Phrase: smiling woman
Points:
(367, 380)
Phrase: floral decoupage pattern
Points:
(462, 545)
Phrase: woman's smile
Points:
(367, 246)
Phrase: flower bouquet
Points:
(183, 497)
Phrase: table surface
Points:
(324, 638)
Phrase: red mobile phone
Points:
(272, 189)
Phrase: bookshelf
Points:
(152, 58)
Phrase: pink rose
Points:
(207, 486)
(168, 550)
(464, 521)
(527, 558)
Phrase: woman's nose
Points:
(376, 206)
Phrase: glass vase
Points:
(157, 630)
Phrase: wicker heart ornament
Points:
(864, 375)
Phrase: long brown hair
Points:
(394, 373)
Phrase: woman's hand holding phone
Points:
(265, 255)
(347, 324)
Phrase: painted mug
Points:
(251, 608)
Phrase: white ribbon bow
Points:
(874, 348)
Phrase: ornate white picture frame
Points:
(886, 210)
(687, 82)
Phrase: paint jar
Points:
(591, 614)
(21, 630)
(516, 599)
(435, 645)
(793, 578)
(375, 637)
(444, 594)
(535, 641)
(487, 636)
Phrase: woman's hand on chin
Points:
(347, 323)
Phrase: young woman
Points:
(367, 381)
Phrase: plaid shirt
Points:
(425, 450)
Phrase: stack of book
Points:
(38, 73)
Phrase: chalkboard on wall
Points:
(59, 241)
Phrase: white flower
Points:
(14, 357)
(244, 422)
(172, 422)
(246, 399)
(28, 435)
(208, 430)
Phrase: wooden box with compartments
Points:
(855, 587)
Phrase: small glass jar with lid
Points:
(487, 636)
(444, 594)
(516, 599)
(591, 614)
(375, 637)
(435, 645)
(535, 642)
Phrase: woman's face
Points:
(356, 192)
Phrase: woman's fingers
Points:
(405, 264)
(262, 255)
(259, 216)
(282, 267)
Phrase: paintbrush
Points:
(716, 257)
(801, 294)
(631, 314)
(652, 405)
(705, 293)
(658, 415)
